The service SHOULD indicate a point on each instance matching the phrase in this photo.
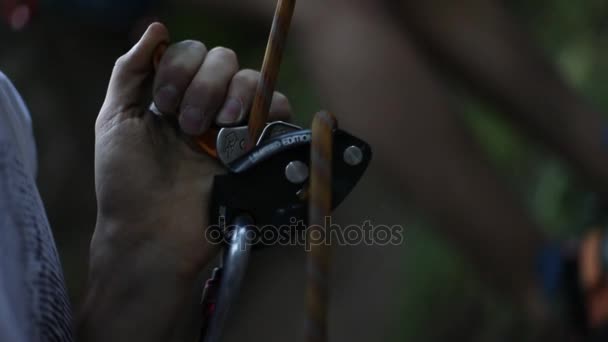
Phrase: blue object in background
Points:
(550, 266)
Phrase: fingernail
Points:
(191, 120)
(166, 98)
(231, 112)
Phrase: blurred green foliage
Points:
(442, 289)
(441, 286)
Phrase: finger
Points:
(176, 69)
(280, 108)
(240, 99)
(126, 88)
(207, 92)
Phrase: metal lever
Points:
(231, 143)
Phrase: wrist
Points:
(120, 307)
(134, 290)
(147, 249)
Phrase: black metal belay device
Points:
(271, 186)
(278, 174)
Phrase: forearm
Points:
(136, 295)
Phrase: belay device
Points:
(278, 174)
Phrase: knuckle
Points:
(121, 62)
(282, 101)
(100, 123)
(225, 53)
(207, 90)
(190, 44)
(281, 104)
(97, 126)
(249, 76)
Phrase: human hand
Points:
(152, 186)
(148, 178)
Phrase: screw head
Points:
(296, 172)
(353, 156)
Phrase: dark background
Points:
(61, 60)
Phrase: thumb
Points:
(127, 83)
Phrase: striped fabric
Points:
(33, 300)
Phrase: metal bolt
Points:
(353, 156)
(296, 172)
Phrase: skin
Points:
(152, 186)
